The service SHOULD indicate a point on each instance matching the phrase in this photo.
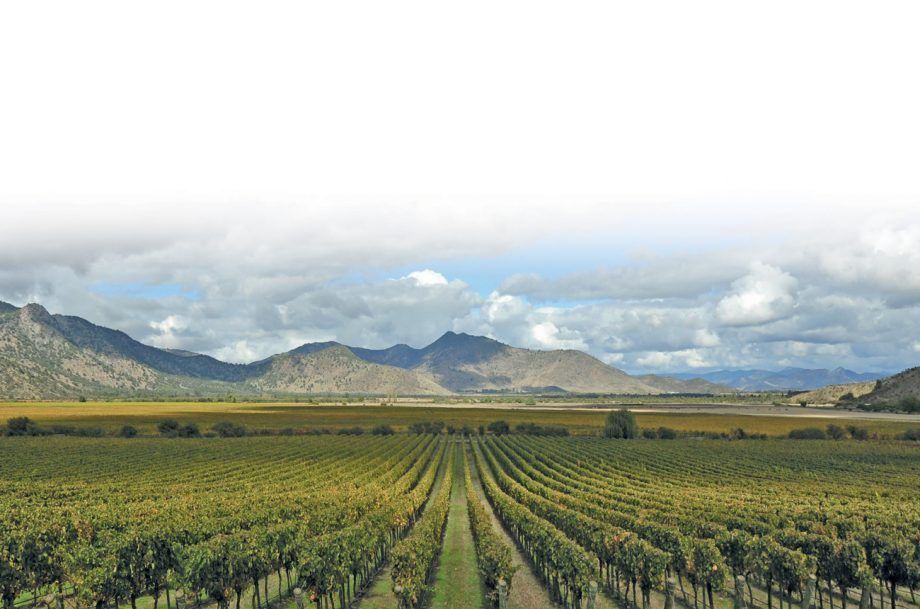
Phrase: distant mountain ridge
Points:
(56, 356)
(787, 379)
(461, 362)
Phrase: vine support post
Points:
(865, 598)
(298, 597)
(740, 603)
(808, 593)
(669, 593)
(592, 595)
(180, 599)
(502, 594)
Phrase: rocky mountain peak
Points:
(35, 313)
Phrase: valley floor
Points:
(110, 417)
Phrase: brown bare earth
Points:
(832, 393)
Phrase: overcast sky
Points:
(669, 186)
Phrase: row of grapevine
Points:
(492, 554)
(564, 565)
(413, 557)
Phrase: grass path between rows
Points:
(458, 584)
(380, 594)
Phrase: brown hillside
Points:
(893, 389)
(832, 393)
(338, 370)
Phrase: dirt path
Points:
(527, 592)
(458, 584)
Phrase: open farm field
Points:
(111, 416)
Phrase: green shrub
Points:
(540, 430)
(621, 424)
(421, 427)
(808, 433)
(228, 429)
(382, 430)
(168, 427)
(738, 434)
(22, 426)
(128, 431)
(498, 427)
(189, 430)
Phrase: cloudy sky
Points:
(668, 187)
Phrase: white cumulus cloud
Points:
(427, 278)
(548, 335)
(706, 338)
(168, 331)
(674, 360)
(765, 294)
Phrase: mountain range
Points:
(45, 356)
(787, 379)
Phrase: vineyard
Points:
(316, 521)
